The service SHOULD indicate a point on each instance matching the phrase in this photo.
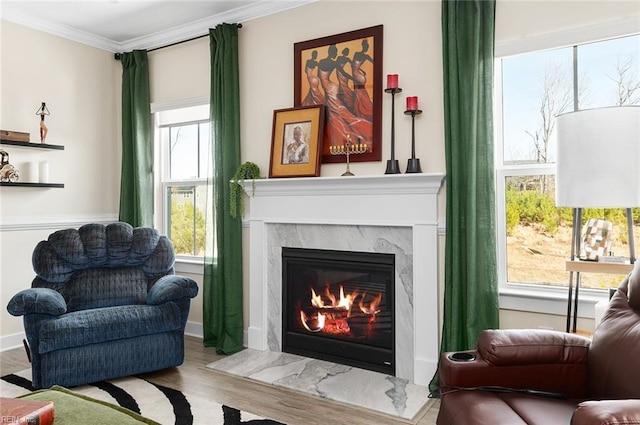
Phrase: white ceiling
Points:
(123, 25)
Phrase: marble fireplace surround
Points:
(390, 213)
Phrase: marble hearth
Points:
(390, 214)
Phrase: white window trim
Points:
(538, 298)
(183, 264)
(191, 265)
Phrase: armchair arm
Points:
(172, 288)
(37, 300)
(607, 412)
(532, 346)
(522, 359)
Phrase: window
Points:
(183, 161)
(534, 237)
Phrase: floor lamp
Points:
(598, 166)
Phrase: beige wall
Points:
(412, 49)
(81, 87)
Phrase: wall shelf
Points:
(26, 184)
(31, 145)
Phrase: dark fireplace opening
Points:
(339, 306)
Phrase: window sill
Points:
(193, 265)
(548, 300)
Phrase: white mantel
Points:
(388, 213)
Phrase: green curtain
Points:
(222, 288)
(136, 181)
(470, 287)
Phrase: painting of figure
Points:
(343, 73)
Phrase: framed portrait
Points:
(343, 72)
(296, 142)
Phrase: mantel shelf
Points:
(31, 145)
(26, 184)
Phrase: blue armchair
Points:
(105, 303)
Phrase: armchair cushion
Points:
(502, 360)
(633, 287)
(615, 348)
(100, 325)
(102, 287)
(37, 300)
(171, 288)
(94, 245)
(525, 347)
(607, 412)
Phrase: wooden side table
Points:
(579, 266)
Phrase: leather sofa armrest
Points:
(521, 360)
(172, 288)
(37, 301)
(511, 347)
(607, 412)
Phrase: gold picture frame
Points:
(296, 142)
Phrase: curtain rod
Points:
(116, 56)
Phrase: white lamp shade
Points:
(598, 158)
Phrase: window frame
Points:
(184, 263)
(521, 296)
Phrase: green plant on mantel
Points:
(248, 170)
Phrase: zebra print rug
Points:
(159, 403)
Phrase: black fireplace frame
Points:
(334, 350)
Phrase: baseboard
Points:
(196, 330)
(10, 342)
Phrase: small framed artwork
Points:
(343, 72)
(296, 142)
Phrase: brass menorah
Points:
(348, 149)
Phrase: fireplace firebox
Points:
(339, 306)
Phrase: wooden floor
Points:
(282, 405)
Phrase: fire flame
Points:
(373, 305)
(314, 324)
(345, 302)
(333, 315)
(316, 300)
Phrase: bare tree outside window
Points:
(626, 77)
(556, 97)
(537, 238)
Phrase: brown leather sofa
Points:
(549, 378)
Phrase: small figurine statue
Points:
(43, 127)
(8, 172)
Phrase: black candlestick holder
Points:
(413, 164)
(393, 167)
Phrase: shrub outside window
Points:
(534, 236)
(184, 163)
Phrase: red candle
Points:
(392, 81)
(412, 103)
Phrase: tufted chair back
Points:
(613, 356)
(99, 266)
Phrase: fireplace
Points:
(392, 214)
(339, 306)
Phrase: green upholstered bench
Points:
(75, 409)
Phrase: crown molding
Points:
(201, 26)
(158, 39)
(13, 15)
